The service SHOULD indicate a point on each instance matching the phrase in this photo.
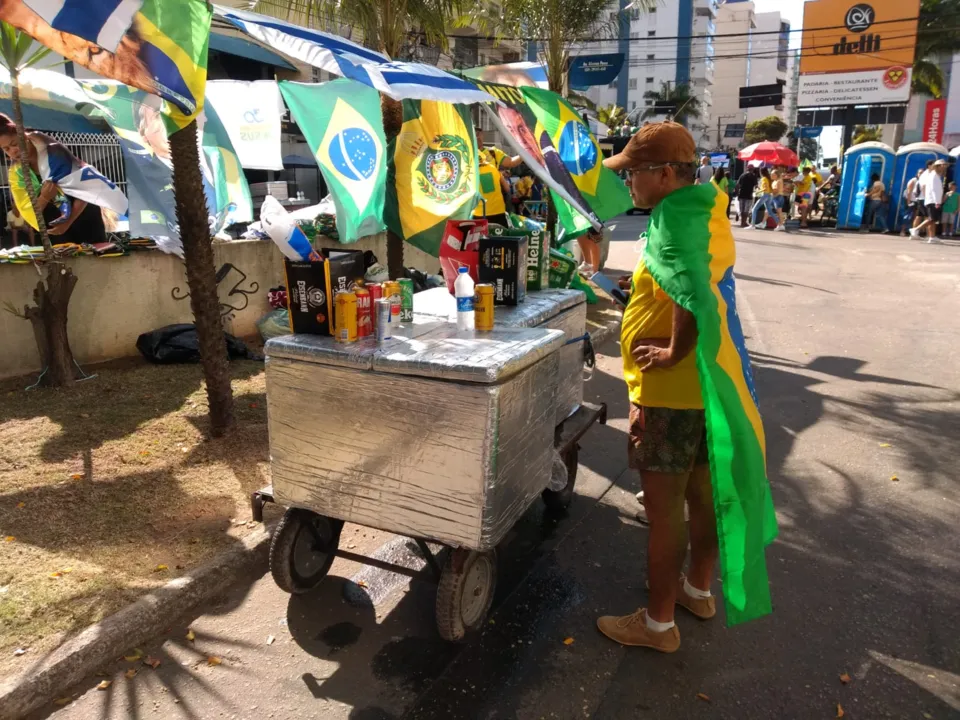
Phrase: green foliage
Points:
(688, 106)
(560, 23)
(15, 47)
(866, 133)
(611, 115)
(934, 39)
(386, 26)
(770, 128)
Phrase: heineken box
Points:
(311, 287)
(503, 264)
(538, 253)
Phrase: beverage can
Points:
(364, 313)
(346, 317)
(406, 299)
(391, 292)
(384, 327)
(376, 292)
(483, 307)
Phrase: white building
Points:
(671, 44)
(751, 49)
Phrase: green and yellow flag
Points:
(580, 152)
(690, 254)
(341, 121)
(432, 172)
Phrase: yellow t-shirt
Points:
(804, 183)
(524, 185)
(765, 187)
(649, 314)
(489, 160)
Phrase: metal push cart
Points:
(465, 499)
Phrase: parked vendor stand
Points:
(443, 436)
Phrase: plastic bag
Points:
(274, 324)
(180, 344)
(282, 228)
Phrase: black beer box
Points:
(503, 264)
(311, 287)
(538, 253)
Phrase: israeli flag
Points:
(103, 22)
(337, 55)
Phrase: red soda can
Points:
(376, 293)
(364, 312)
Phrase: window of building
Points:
(633, 104)
(632, 84)
(651, 56)
(652, 10)
(635, 36)
(649, 81)
(651, 33)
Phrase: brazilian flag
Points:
(690, 254)
(342, 124)
(580, 152)
(432, 172)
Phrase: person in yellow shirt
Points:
(805, 185)
(491, 161)
(667, 432)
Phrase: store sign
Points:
(889, 85)
(850, 36)
(933, 121)
(589, 70)
(810, 132)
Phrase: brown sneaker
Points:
(703, 608)
(632, 630)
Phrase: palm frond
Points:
(927, 78)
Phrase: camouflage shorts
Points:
(665, 440)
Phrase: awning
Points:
(246, 49)
(45, 119)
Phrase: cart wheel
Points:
(465, 592)
(559, 500)
(302, 550)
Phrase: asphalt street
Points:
(854, 344)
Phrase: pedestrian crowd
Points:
(929, 206)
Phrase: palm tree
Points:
(933, 41)
(866, 133)
(678, 97)
(389, 26)
(611, 115)
(52, 295)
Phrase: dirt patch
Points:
(111, 488)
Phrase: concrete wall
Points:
(117, 299)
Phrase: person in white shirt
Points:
(932, 182)
(705, 171)
(911, 216)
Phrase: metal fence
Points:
(102, 150)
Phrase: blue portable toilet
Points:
(953, 173)
(910, 158)
(860, 162)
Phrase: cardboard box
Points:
(503, 264)
(538, 253)
(312, 285)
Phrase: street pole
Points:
(719, 146)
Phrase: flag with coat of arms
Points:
(579, 151)
(341, 122)
(432, 172)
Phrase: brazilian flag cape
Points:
(690, 254)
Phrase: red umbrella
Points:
(771, 153)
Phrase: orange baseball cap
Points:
(661, 142)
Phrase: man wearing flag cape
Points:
(695, 432)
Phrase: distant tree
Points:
(866, 133)
(611, 115)
(937, 17)
(770, 128)
(686, 106)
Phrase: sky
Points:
(792, 12)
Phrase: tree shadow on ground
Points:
(113, 405)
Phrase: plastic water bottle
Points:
(463, 289)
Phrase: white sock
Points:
(658, 626)
(694, 592)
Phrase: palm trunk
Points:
(52, 298)
(201, 278)
(392, 113)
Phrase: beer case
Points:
(558, 309)
(503, 264)
(538, 249)
(311, 287)
(462, 441)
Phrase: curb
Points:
(147, 617)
